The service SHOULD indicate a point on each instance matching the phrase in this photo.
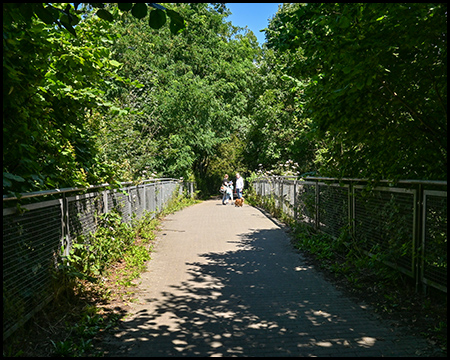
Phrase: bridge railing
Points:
(406, 223)
(34, 234)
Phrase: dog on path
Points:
(239, 202)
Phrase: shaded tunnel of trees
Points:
(124, 92)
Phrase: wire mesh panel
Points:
(265, 187)
(262, 184)
(306, 202)
(333, 208)
(288, 197)
(168, 189)
(30, 242)
(82, 213)
(269, 188)
(277, 192)
(260, 189)
(150, 198)
(136, 195)
(384, 221)
(172, 191)
(158, 197)
(119, 200)
(434, 247)
(127, 208)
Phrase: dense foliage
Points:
(193, 99)
(124, 92)
(377, 89)
(53, 85)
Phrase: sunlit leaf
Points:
(115, 63)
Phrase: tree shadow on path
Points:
(259, 300)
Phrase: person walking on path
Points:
(239, 185)
(228, 194)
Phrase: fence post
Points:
(317, 206)
(281, 190)
(277, 202)
(350, 208)
(418, 241)
(144, 198)
(352, 205)
(105, 201)
(65, 241)
(295, 200)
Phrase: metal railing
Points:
(404, 224)
(34, 234)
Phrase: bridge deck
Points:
(225, 281)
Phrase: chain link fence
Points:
(404, 225)
(34, 234)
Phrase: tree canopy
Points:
(98, 93)
(194, 94)
(377, 84)
(52, 83)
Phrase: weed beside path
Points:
(227, 281)
(82, 309)
(391, 295)
(393, 300)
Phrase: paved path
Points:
(225, 281)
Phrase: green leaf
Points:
(67, 20)
(139, 10)
(105, 15)
(44, 14)
(157, 19)
(6, 183)
(26, 10)
(13, 177)
(344, 22)
(115, 63)
(176, 22)
(69, 28)
(74, 20)
(125, 6)
(347, 69)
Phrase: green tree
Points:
(279, 129)
(378, 84)
(56, 70)
(194, 97)
(53, 91)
